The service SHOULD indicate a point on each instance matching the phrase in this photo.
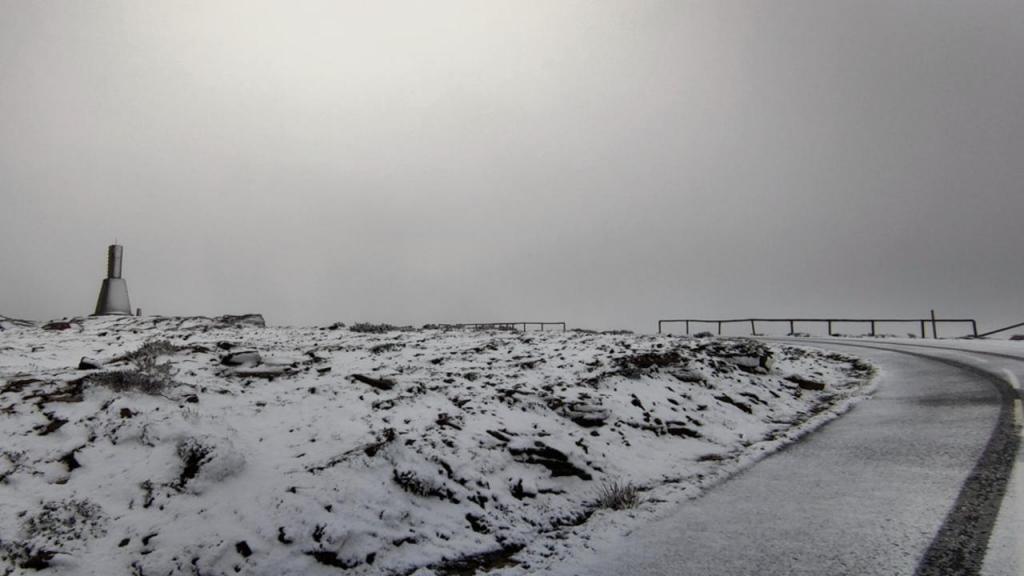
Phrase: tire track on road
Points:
(961, 542)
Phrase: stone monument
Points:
(114, 292)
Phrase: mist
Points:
(605, 164)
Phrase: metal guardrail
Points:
(502, 325)
(873, 322)
(1000, 330)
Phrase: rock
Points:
(1017, 337)
(805, 383)
(87, 363)
(730, 400)
(521, 490)
(268, 372)
(242, 358)
(747, 355)
(57, 326)
(587, 415)
(242, 320)
(677, 428)
(243, 549)
(551, 458)
(687, 375)
(378, 383)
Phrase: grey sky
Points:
(606, 163)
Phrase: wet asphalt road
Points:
(915, 480)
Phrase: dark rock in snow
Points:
(57, 326)
(586, 414)
(87, 363)
(242, 320)
(243, 358)
(680, 429)
(689, 376)
(805, 383)
(243, 549)
(747, 355)
(551, 458)
(378, 383)
(730, 400)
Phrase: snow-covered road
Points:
(908, 482)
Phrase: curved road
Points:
(922, 478)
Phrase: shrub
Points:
(368, 328)
(618, 496)
(148, 376)
(150, 351)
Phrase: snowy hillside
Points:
(199, 446)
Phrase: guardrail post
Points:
(974, 327)
(687, 327)
(935, 327)
(719, 328)
(923, 334)
(829, 327)
(753, 328)
(873, 328)
(792, 331)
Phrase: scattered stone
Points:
(242, 358)
(676, 428)
(243, 549)
(551, 458)
(378, 383)
(729, 400)
(747, 355)
(87, 363)
(586, 414)
(57, 326)
(242, 320)
(805, 383)
(689, 376)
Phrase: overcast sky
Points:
(606, 163)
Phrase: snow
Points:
(315, 450)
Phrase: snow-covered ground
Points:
(204, 446)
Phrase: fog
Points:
(602, 163)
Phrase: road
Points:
(922, 478)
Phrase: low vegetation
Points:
(148, 375)
(615, 495)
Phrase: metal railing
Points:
(501, 325)
(1000, 330)
(872, 322)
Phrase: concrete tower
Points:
(114, 292)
